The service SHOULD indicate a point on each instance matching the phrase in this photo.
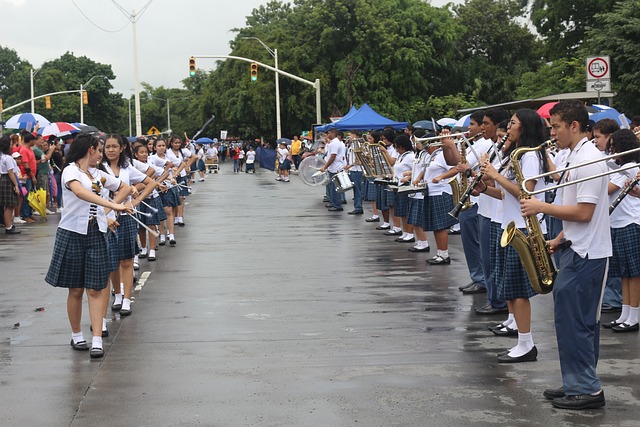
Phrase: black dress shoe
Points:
(460, 288)
(411, 240)
(80, 345)
(554, 393)
(610, 325)
(96, 353)
(438, 260)
(332, 209)
(125, 312)
(372, 219)
(489, 310)
(172, 242)
(414, 249)
(477, 288)
(530, 356)
(393, 233)
(625, 327)
(344, 202)
(505, 332)
(383, 227)
(12, 230)
(580, 401)
(356, 212)
(142, 255)
(105, 332)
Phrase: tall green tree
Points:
(495, 48)
(563, 75)
(562, 24)
(618, 35)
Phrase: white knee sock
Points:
(624, 314)
(126, 304)
(633, 316)
(525, 344)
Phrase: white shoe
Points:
(201, 180)
(18, 220)
(49, 212)
(59, 209)
(36, 213)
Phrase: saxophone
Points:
(464, 180)
(532, 248)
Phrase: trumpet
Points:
(580, 165)
(436, 138)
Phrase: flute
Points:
(623, 193)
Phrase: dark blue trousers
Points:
(469, 232)
(356, 178)
(484, 230)
(576, 294)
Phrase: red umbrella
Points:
(544, 110)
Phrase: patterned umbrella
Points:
(26, 121)
(58, 129)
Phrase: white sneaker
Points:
(59, 209)
(49, 212)
(18, 220)
(36, 213)
(201, 180)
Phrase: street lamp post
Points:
(129, 101)
(274, 53)
(81, 93)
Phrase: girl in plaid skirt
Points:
(170, 197)
(525, 130)
(9, 188)
(79, 259)
(625, 234)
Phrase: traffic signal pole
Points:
(315, 84)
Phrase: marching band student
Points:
(469, 219)
(79, 259)
(355, 174)
(183, 161)
(117, 164)
(170, 197)
(415, 214)
(153, 206)
(9, 188)
(625, 234)
(612, 299)
(384, 198)
(284, 162)
(583, 262)
(369, 186)
(200, 167)
(402, 166)
(335, 151)
(439, 203)
(525, 130)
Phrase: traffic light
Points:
(85, 97)
(47, 102)
(192, 66)
(254, 72)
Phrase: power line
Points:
(96, 25)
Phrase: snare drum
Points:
(342, 182)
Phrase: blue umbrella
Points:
(204, 140)
(26, 121)
(464, 121)
(426, 125)
(285, 140)
(607, 114)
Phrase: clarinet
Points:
(472, 184)
(623, 193)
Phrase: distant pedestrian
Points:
(284, 162)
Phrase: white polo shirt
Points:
(593, 238)
(437, 165)
(403, 164)
(629, 208)
(335, 147)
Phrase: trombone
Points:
(578, 181)
(436, 138)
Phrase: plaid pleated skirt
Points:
(112, 251)
(126, 234)
(171, 197)
(8, 197)
(400, 204)
(156, 217)
(78, 260)
(626, 251)
(436, 212)
(495, 251)
(416, 212)
(183, 191)
(384, 198)
(514, 282)
(369, 190)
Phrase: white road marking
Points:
(141, 281)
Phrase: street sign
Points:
(153, 131)
(599, 86)
(598, 68)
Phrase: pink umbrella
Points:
(58, 129)
(544, 110)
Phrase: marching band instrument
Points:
(472, 184)
(309, 171)
(532, 248)
(464, 179)
(436, 138)
(578, 181)
(623, 193)
(342, 181)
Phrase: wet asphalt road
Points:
(271, 311)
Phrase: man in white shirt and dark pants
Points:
(334, 153)
(584, 254)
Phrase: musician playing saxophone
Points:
(583, 264)
(511, 279)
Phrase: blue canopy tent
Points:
(326, 127)
(365, 119)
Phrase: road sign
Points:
(599, 86)
(153, 131)
(598, 68)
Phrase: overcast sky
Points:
(168, 32)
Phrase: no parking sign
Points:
(598, 73)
